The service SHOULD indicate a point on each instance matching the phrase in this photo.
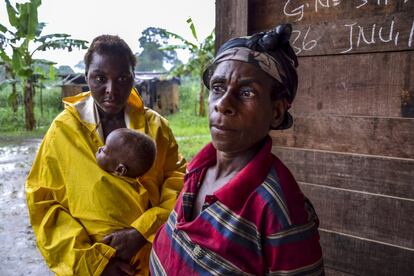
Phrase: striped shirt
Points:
(259, 223)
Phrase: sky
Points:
(86, 19)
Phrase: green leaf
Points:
(3, 28)
(12, 13)
(192, 27)
(52, 73)
(12, 98)
(5, 57)
(33, 22)
(17, 62)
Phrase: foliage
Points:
(202, 52)
(190, 131)
(11, 122)
(152, 58)
(24, 39)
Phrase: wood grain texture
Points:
(368, 216)
(337, 27)
(333, 272)
(380, 84)
(361, 257)
(365, 135)
(372, 174)
(231, 20)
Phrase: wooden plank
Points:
(231, 20)
(333, 272)
(380, 84)
(384, 219)
(325, 27)
(270, 11)
(365, 135)
(361, 257)
(372, 174)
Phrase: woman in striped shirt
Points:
(241, 212)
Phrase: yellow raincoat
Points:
(73, 203)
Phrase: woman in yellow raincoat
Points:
(87, 221)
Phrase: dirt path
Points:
(18, 251)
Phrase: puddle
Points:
(19, 251)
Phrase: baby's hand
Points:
(127, 243)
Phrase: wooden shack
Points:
(352, 144)
(158, 91)
(73, 84)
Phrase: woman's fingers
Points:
(126, 268)
(107, 239)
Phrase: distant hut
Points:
(157, 90)
(73, 84)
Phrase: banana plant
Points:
(22, 40)
(201, 53)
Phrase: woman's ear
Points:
(278, 108)
(121, 170)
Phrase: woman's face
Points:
(110, 79)
(240, 107)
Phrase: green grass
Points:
(190, 130)
(191, 133)
(15, 123)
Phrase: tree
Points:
(201, 53)
(152, 58)
(24, 41)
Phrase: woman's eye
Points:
(218, 89)
(123, 79)
(100, 78)
(246, 93)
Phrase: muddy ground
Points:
(18, 251)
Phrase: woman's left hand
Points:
(127, 243)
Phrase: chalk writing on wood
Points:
(325, 27)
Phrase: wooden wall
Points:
(352, 144)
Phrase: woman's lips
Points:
(109, 103)
(220, 129)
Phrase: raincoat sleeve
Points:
(62, 240)
(170, 175)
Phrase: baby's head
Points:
(126, 153)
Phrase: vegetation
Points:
(202, 52)
(152, 58)
(49, 106)
(190, 131)
(24, 39)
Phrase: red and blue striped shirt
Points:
(259, 223)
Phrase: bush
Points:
(51, 102)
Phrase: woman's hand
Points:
(127, 243)
(117, 267)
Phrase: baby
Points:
(126, 153)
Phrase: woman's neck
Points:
(111, 122)
(231, 163)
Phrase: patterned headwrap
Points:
(271, 52)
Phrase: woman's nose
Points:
(225, 104)
(110, 87)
